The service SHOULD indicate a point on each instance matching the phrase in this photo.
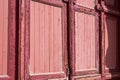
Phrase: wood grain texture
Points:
(85, 41)
(3, 36)
(45, 38)
(86, 3)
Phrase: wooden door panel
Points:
(85, 41)
(111, 42)
(3, 36)
(46, 38)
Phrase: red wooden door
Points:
(84, 40)
(91, 35)
(46, 40)
(94, 52)
(7, 39)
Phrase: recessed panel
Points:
(85, 41)
(111, 42)
(86, 3)
(3, 36)
(45, 38)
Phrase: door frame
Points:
(72, 9)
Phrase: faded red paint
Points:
(85, 42)
(45, 38)
(85, 3)
(7, 39)
(3, 36)
(84, 38)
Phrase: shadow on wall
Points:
(111, 44)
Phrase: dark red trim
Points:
(84, 9)
(97, 41)
(19, 39)
(102, 35)
(12, 39)
(102, 45)
(27, 39)
(65, 36)
(71, 19)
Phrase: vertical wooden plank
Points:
(88, 38)
(5, 36)
(2, 16)
(1, 25)
(55, 40)
(79, 40)
(32, 30)
(86, 34)
(51, 38)
(46, 38)
(59, 32)
(42, 34)
(76, 25)
(92, 25)
(36, 37)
